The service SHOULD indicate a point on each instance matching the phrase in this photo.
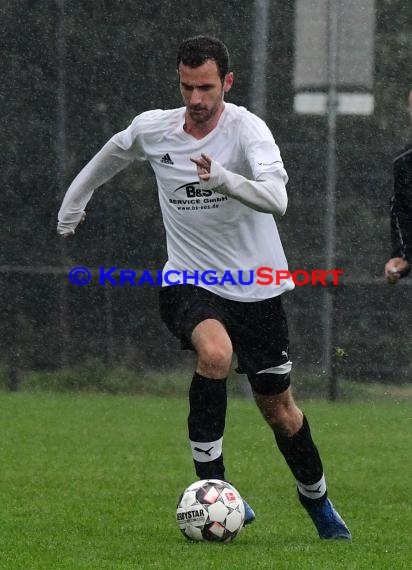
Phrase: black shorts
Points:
(258, 330)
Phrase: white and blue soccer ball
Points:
(210, 510)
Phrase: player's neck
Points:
(200, 130)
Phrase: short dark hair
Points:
(198, 49)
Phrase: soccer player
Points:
(401, 214)
(220, 181)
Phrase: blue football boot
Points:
(249, 513)
(326, 519)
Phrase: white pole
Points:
(330, 212)
(61, 173)
(61, 98)
(259, 58)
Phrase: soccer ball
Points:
(210, 510)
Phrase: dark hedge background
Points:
(119, 60)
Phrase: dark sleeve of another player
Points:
(401, 207)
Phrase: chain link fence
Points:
(81, 73)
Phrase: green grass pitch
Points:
(91, 482)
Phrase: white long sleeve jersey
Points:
(223, 225)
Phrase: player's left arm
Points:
(265, 190)
(265, 194)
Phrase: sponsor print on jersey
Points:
(191, 197)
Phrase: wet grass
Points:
(91, 482)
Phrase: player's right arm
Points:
(401, 220)
(115, 155)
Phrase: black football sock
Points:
(206, 423)
(303, 459)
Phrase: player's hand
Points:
(203, 163)
(68, 232)
(396, 268)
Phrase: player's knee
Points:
(279, 408)
(271, 381)
(214, 359)
(286, 419)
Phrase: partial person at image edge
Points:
(399, 264)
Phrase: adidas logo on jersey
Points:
(166, 159)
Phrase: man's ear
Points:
(228, 82)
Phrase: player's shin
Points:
(303, 459)
(206, 423)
